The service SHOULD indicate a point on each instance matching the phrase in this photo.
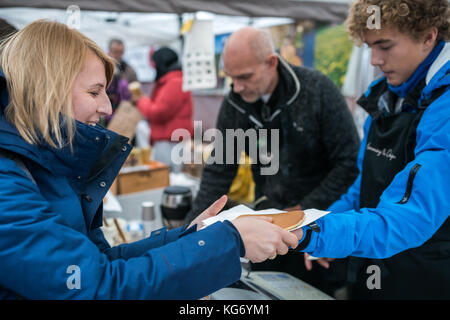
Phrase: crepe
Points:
(286, 220)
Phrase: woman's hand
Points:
(262, 239)
(210, 212)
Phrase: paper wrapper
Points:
(311, 215)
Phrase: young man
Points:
(396, 212)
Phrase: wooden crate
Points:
(141, 178)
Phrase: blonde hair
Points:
(40, 63)
(413, 17)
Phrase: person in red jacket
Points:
(168, 108)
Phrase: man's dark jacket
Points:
(318, 143)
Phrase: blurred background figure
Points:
(117, 92)
(168, 108)
(116, 50)
(118, 89)
(6, 29)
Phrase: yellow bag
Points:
(242, 188)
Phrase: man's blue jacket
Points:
(393, 227)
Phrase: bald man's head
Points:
(252, 41)
(249, 59)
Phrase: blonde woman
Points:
(56, 165)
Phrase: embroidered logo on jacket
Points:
(385, 152)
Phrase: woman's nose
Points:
(104, 106)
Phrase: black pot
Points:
(176, 203)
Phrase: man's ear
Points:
(272, 61)
(430, 38)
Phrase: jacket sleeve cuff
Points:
(175, 234)
(308, 241)
(236, 232)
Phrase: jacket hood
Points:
(438, 75)
(89, 144)
(10, 138)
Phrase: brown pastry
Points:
(286, 220)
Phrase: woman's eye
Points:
(386, 48)
(94, 93)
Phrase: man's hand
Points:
(324, 262)
(210, 212)
(262, 239)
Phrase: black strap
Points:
(302, 245)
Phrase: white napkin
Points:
(311, 215)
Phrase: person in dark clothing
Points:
(116, 49)
(318, 141)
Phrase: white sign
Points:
(199, 70)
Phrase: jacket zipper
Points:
(409, 185)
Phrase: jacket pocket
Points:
(409, 184)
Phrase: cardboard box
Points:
(142, 178)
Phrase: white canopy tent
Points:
(135, 29)
(138, 31)
(144, 23)
(319, 10)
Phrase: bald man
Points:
(318, 142)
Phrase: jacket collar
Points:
(90, 144)
(441, 63)
(437, 78)
(438, 75)
(289, 82)
(169, 75)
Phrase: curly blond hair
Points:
(412, 17)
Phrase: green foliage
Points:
(332, 53)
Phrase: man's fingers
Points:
(324, 263)
(308, 263)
